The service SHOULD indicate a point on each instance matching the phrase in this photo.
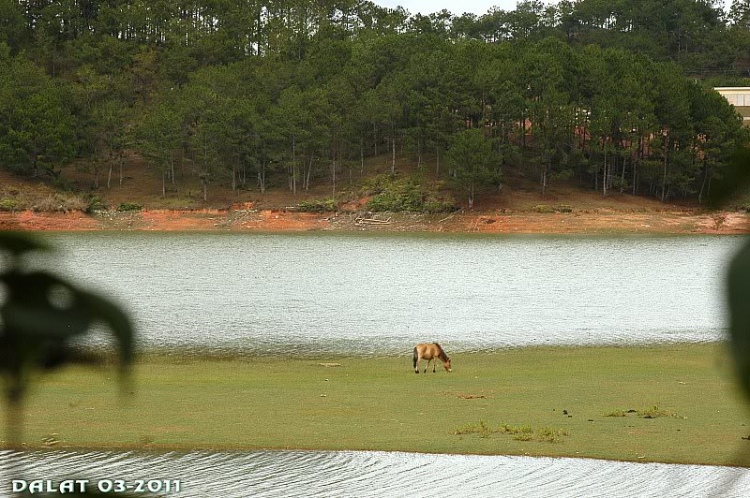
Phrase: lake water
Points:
(325, 294)
(350, 294)
(362, 474)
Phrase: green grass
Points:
(519, 432)
(540, 394)
(654, 411)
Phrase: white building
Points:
(739, 97)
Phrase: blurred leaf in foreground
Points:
(734, 179)
(739, 310)
(40, 313)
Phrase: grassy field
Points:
(535, 401)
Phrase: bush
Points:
(547, 209)
(376, 185)
(400, 198)
(60, 203)
(433, 207)
(317, 206)
(8, 205)
(543, 208)
(406, 195)
(130, 206)
(96, 204)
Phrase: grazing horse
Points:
(430, 352)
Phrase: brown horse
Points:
(430, 352)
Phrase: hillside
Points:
(142, 185)
(567, 207)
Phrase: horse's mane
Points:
(442, 354)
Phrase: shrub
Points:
(617, 412)
(447, 206)
(547, 209)
(60, 203)
(130, 206)
(520, 433)
(543, 208)
(405, 195)
(8, 205)
(317, 206)
(376, 184)
(96, 204)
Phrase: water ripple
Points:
(364, 473)
(265, 294)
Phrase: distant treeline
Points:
(614, 93)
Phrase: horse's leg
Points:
(427, 366)
(416, 361)
(434, 364)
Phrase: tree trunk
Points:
(164, 183)
(262, 177)
(639, 155)
(393, 157)
(294, 166)
(419, 153)
(333, 168)
(361, 155)
(375, 138)
(705, 179)
(309, 172)
(622, 178)
(205, 193)
(437, 167)
(664, 177)
(544, 182)
(109, 175)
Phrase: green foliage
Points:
(405, 195)
(37, 124)
(130, 206)
(42, 313)
(547, 209)
(653, 411)
(739, 313)
(523, 432)
(402, 196)
(617, 412)
(96, 204)
(474, 162)
(436, 206)
(287, 95)
(9, 204)
(318, 206)
(543, 208)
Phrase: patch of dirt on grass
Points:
(469, 396)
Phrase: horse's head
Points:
(447, 364)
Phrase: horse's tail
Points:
(416, 355)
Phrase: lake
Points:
(355, 294)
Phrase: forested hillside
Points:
(244, 94)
